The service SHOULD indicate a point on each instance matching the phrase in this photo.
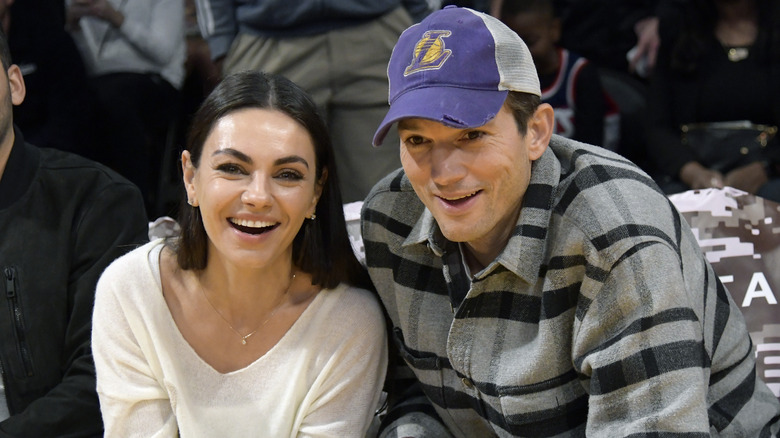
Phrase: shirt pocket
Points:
(427, 367)
(553, 407)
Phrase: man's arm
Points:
(161, 37)
(218, 25)
(112, 223)
(656, 335)
(591, 106)
(409, 412)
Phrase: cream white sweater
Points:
(322, 379)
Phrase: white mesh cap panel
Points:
(515, 64)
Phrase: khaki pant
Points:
(345, 72)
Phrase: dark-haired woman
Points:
(253, 321)
(719, 62)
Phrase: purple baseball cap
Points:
(456, 67)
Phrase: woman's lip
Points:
(253, 228)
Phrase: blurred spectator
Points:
(63, 219)
(604, 31)
(569, 82)
(201, 75)
(719, 62)
(134, 53)
(335, 49)
(57, 109)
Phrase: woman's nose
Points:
(257, 192)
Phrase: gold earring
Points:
(313, 216)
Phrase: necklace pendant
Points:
(243, 341)
(737, 54)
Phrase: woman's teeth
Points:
(252, 224)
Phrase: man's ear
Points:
(540, 129)
(16, 84)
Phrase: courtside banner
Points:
(740, 235)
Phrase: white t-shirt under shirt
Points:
(323, 378)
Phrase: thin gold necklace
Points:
(273, 312)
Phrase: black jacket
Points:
(63, 219)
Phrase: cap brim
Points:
(451, 106)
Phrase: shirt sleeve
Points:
(158, 39)
(218, 25)
(409, 412)
(653, 338)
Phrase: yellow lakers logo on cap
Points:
(429, 52)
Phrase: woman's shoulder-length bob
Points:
(322, 246)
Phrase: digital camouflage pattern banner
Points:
(740, 235)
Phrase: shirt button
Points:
(467, 383)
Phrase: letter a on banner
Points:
(758, 288)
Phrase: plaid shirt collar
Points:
(523, 254)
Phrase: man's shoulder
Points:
(602, 192)
(77, 174)
(55, 160)
(393, 199)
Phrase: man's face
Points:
(473, 180)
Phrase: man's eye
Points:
(473, 135)
(415, 140)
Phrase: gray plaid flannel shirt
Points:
(601, 317)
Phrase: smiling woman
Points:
(254, 321)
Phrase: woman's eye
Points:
(230, 168)
(292, 175)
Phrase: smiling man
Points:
(538, 286)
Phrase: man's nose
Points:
(447, 165)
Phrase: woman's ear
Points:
(188, 176)
(540, 129)
(318, 187)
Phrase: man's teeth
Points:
(252, 224)
(461, 197)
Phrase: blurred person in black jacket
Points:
(63, 219)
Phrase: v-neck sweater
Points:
(323, 377)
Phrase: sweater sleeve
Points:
(133, 401)
(345, 397)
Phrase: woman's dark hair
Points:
(523, 107)
(322, 246)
